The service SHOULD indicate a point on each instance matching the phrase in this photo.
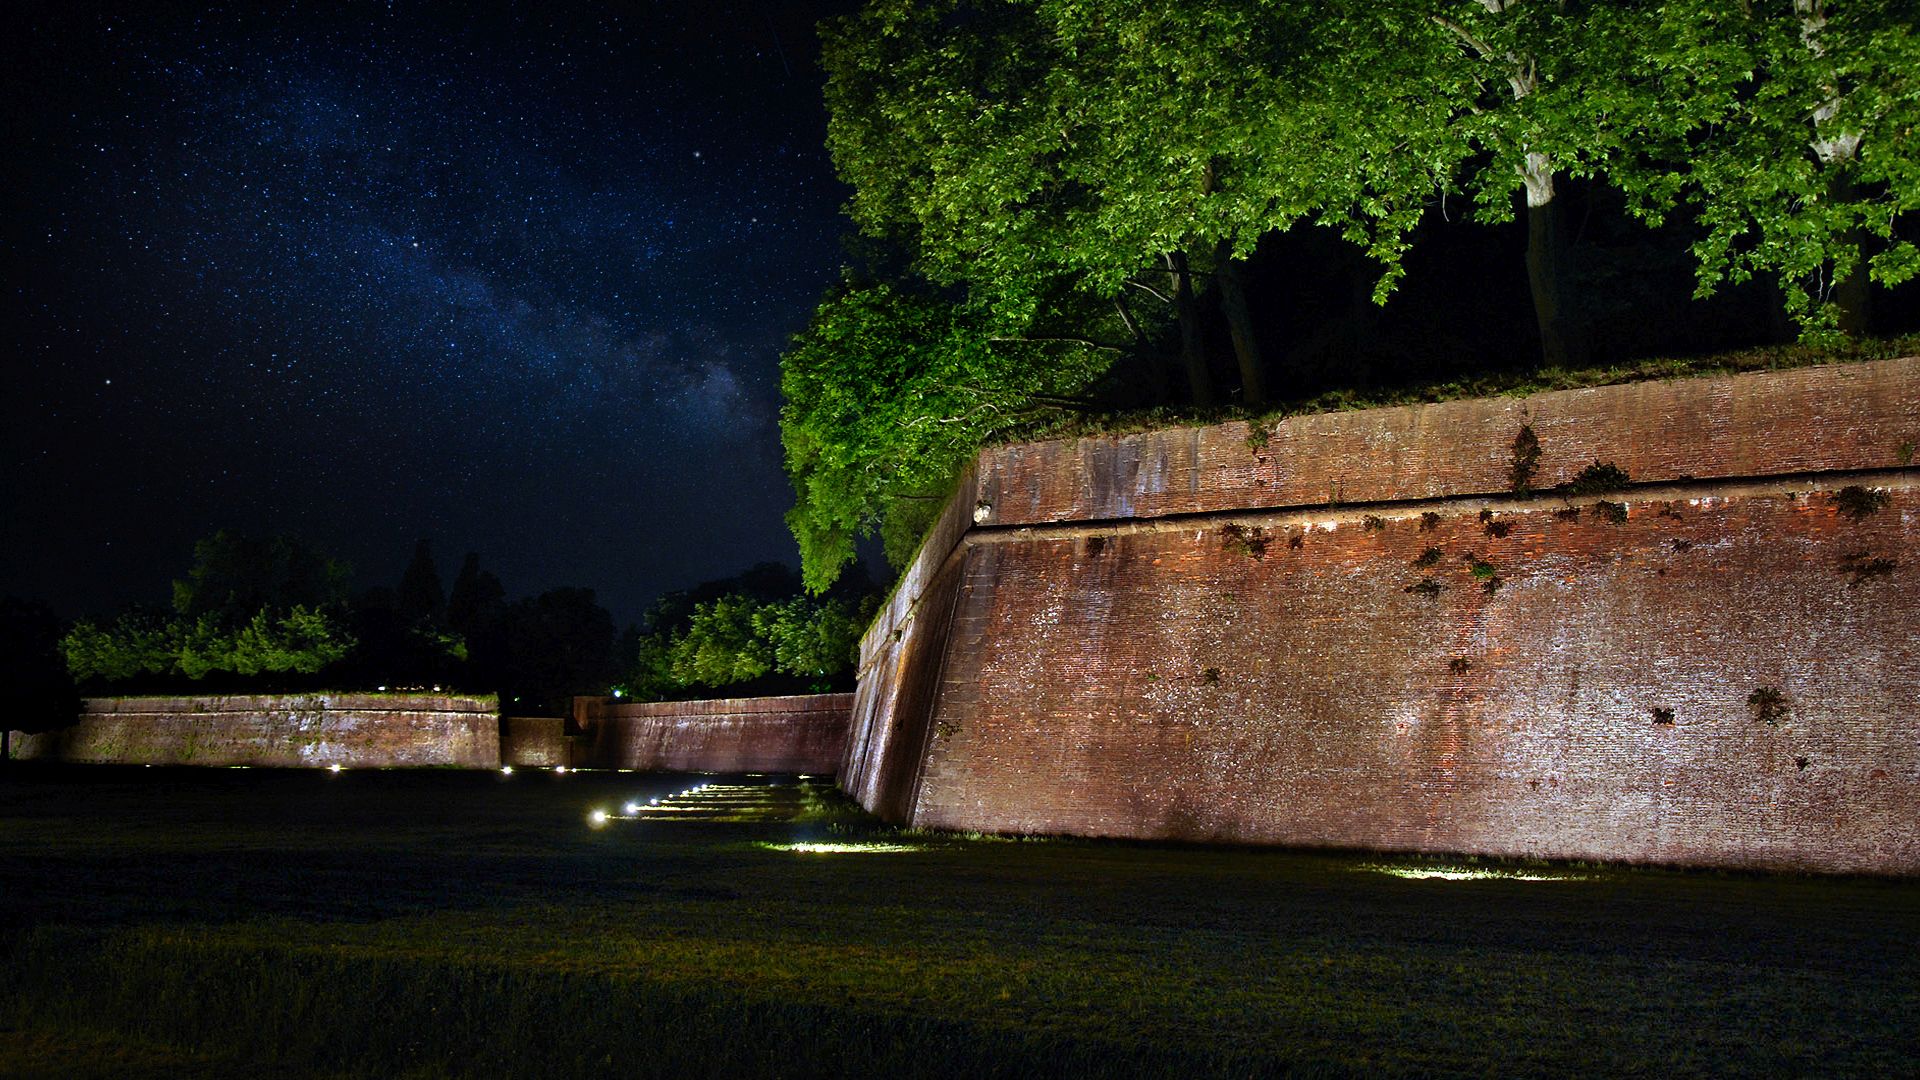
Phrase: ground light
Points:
(506, 770)
(843, 848)
(334, 768)
(1465, 873)
(597, 819)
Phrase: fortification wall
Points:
(283, 730)
(539, 742)
(799, 734)
(1351, 634)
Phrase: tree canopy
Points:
(1097, 177)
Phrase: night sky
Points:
(365, 273)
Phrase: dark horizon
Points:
(517, 283)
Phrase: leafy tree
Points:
(738, 639)
(555, 645)
(889, 391)
(248, 607)
(1015, 143)
(299, 640)
(1792, 138)
(477, 600)
(234, 576)
(40, 692)
(420, 598)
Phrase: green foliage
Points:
(1526, 461)
(300, 639)
(1598, 478)
(1769, 705)
(1859, 502)
(740, 638)
(234, 576)
(889, 392)
(249, 606)
(1789, 130)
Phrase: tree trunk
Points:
(1193, 351)
(1852, 294)
(1155, 361)
(1233, 304)
(1560, 343)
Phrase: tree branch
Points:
(1126, 316)
(1466, 35)
(1151, 291)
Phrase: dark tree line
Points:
(275, 614)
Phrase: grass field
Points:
(252, 922)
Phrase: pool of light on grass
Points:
(1464, 873)
(822, 848)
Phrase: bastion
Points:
(1667, 622)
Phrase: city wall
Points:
(1347, 630)
(799, 734)
(284, 730)
(536, 742)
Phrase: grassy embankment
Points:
(217, 922)
(1493, 382)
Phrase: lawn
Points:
(256, 922)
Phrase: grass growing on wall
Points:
(1498, 383)
(470, 925)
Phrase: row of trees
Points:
(756, 633)
(1051, 191)
(274, 613)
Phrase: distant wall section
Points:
(796, 734)
(536, 742)
(285, 730)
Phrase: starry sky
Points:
(366, 273)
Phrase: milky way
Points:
(367, 274)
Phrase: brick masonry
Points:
(1178, 635)
(535, 742)
(286, 730)
(798, 734)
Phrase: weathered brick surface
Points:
(286, 730)
(900, 657)
(535, 742)
(799, 734)
(1842, 416)
(1180, 679)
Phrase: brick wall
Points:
(1174, 635)
(288, 730)
(799, 734)
(535, 742)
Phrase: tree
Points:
(1113, 144)
(555, 645)
(234, 576)
(889, 391)
(477, 599)
(1793, 141)
(420, 598)
(40, 692)
(300, 640)
(248, 607)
